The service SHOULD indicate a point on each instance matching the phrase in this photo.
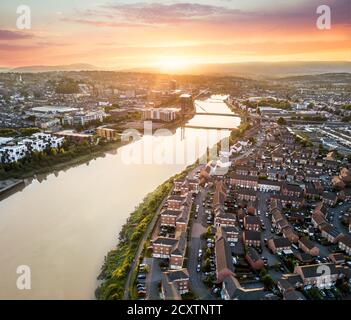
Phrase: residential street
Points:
(262, 207)
(195, 243)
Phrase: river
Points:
(62, 226)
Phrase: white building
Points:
(38, 142)
(163, 114)
(83, 118)
(12, 153)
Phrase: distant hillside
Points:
(265, 69)
(4, 69)
(70, 67)
(321, 77)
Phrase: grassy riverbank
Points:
(118, 261)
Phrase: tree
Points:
(344, 287)
(252, 140)
(268, 281)
(314, 293)
(281, 121)
(263, 272)
(207, 265)
(207, 253)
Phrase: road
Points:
(262, 207)
(140, 248)
(195, 243)
(339, 210)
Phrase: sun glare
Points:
(172, 64)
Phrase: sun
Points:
(172, 64)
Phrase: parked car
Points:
(216, 290)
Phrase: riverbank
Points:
(9, 186)
(118, 261)
(57, 162)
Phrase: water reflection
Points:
(62, 224)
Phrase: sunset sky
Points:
(171, 34)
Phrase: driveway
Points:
(153, 279)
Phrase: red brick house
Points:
(246, 194)
(224, 260)
(332, 234)
(252, 223)
(254, 259)
(289, 233)
(288, 200)
(174, 283)
(241, 181)
(345, 244)
(292, 190)
(316, 275)
(170, 248)
(169, 217)
(176, 202)
(307, 246)
(252, 238)
(330, 198)
(230, 233)
(223, 218)
(278, 245)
